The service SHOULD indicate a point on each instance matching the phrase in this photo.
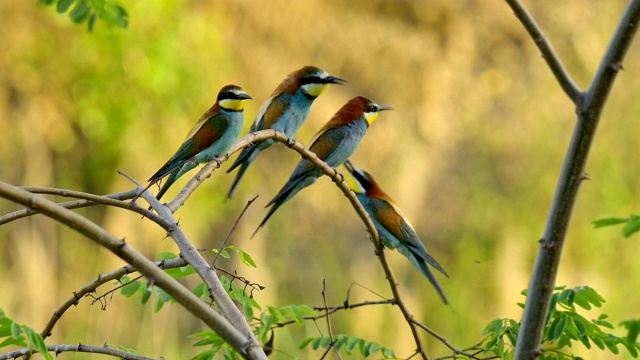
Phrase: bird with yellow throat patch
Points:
(334, 144)
(210, 138)
(285, 111)
(393, 227)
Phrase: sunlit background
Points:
(471, 154)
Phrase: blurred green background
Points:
(471, 153)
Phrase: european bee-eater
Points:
(393, 227)
(334, 144)
(210, 138)
(285, 111)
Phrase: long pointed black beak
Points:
(335, 80)
(244, 96)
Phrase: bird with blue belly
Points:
(393, 227)
(334, 144)
(210, 138)
(285, 111)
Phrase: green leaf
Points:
(130, 288)
(598, 341)
(494, 326)
(608, 222)
(351, 344)
(248, 310)
(315, 344)
(276, 313)
(223, 253)
(374, 348)
(388, 353)
(246, 259)
(631, 347)
(64, 5)
(610, 344)
(80, 12)
(305, 342)
(339, 341)
(592, 296)
(37, 342)
(15, 330)
(365, 348)
(146, 294)
(92, 21)
(633, 327)
(632, 226)
(206, 355)
(166, 255)
(307, 310)
(159, 305)
(201, 290)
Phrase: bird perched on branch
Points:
(334, 144)
(393, 227)
(285, 111)
(210, 138)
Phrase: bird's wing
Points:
(271, 111)
(394, 221)
(210, 131)
(325, 145)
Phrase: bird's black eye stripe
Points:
(362, 180)
(228, 95)
(371, 108)
(312, 80)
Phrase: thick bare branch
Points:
(208, 275)
(589, 111)
(215, 321)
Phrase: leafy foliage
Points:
(632, 224)
(565, 327)
(21, 335)
(85, 10)
(349, 344)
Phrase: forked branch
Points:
(589, 110)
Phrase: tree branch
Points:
(245, 346)
(93, 285)
(548, 53)
(105, 350)
(208, 274)
(88, 200)
(589, 111)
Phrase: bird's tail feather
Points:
(172, 179)
(243, 157)
(424, 269)
(244, 161)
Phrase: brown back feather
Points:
(292, 82)
(348, 113)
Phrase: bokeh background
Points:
(471, 153)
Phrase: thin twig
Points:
(58, 349)
(233, 228)
(548, 53)
(443, 340)
(333, 309)
(326, 309)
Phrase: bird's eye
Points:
(372, 108)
